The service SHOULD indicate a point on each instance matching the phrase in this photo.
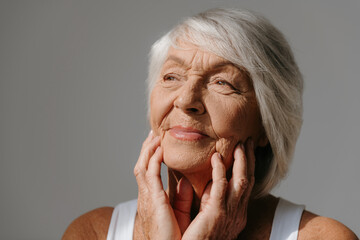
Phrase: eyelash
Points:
(220, 82)
(167, 76)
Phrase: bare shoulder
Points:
(313, 226)
(91, 225)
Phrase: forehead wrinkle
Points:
(176, 60)
(196, 62)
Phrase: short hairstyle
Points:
(254, 45)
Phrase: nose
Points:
(189, 99)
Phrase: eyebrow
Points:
(215, 66)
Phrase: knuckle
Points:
(242, 184)
(143, 191)
(138, 171)
(223, 182)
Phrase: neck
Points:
(198, 181)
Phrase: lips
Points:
(186, 133)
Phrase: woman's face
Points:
(201, 103)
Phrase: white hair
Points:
(254, 45)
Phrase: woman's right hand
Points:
(157, 219)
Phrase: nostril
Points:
(194, 110)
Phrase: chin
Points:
(187, 161)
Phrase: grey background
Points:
(73, 105)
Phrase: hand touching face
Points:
(202, 103)
(222, 210)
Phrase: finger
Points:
(147, 141)
(250, 153)
(251, 169)
(239, 176)
(146, 152)
(154, 166)
(153, 172)
(220, 182)
(238, 182)
(149, 137)
(172, 181)
(182, 203)
(142, 163)
(205, 196)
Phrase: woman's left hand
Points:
(223, 209)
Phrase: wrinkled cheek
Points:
(155, 111)
(160, 105)
(230, 134)
(155, 123)
(226, 146)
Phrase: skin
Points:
(210, 177)
(200, 90)
(223, 206)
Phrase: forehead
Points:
(191, 56)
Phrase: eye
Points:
(171, 80)
(169, 77)
(224, 86)
(221, 82)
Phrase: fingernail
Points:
(219, 155)
(150, 133)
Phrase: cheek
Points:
(234, 122)
(160, 105)
(228, 118)
(236, 118)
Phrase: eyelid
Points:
(175, 76)
(219, 79)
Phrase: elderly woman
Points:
(225, 112)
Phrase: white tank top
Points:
(285, 224)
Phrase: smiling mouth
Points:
(186, 133)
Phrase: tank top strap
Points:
(122, 221)
(286, 221)
(285, 224)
